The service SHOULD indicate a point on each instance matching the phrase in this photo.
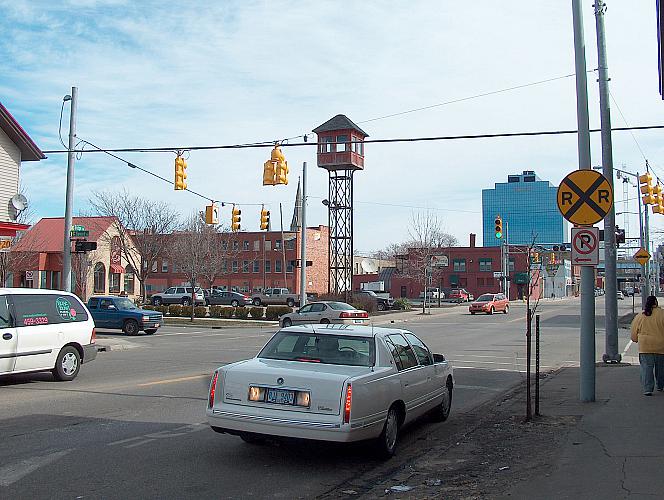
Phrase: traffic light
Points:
(499, 226)
(235, 220)
(268, 173)
(659, 208)
(552, 258)
(647, 189)
(265, 220)
(211, 214)
(281, 166)
(657, 195)
(180, 175)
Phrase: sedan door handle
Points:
(7, 336)
(405, 384)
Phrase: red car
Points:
(459, 295)
(489, 303)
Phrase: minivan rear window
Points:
(46, 309)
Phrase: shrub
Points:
(256, 312)
(149, 308)
(175, 310)
(185, 312)
(215, 311)
(200, 311)
(402, 304)
(241, 312)
(162, 309)
(273, 313)
(364, 304)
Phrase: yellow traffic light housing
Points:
(275, 170)
(180, 175)
(268, 173)
(265, 220)
(282, 172)
(211, 214)
(236, 219)
(499, 226)
(647, 189)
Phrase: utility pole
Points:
(507, 260)
(69, 196)
(587, 333)
(643, 287)
(303, 239)
(283, 244)
(611, 353)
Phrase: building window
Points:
(277, 244)
(164, 266)
(257, 266)
(512, 178)
(342, 143)
(129, 280)
(290, 244)
(257, 245)
(277, 266)
(100, 278)
(234, 266)
(42, 279)
(459, 265)
(114, 283)
(245, 245)
(328, 147)
(485, 264)
(245, 266)
(224, 266)
(268, 266)
(236, 246)
(174, 268)
(224, 245)
(289, 266)
(268, 245)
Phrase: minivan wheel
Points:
(130, 327)
(186, 301)
(67, 364)
(234, 303)
(387, 442)
(156, 301)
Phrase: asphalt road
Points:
(132, 425)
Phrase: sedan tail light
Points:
(348, 403)
(93, 336)
(213, 389)
(358, 314)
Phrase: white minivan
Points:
(44, 330)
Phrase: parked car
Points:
(489, 303)
(628, 291)
(120, 313)
(433, 293)
(178, 295)
(44, 330)
(458, 295)
(382, 303)
(275, 296)
(332, 383)
(620, 295)
(325, 312)
(224, 298)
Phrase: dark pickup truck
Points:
(120, 313)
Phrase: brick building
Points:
(469, 267)
(257, 260)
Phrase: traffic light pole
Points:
(303, 238)
(69, 196)
(587, 333)
(611, 353)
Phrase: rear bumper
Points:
(89, 352)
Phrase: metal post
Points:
(646, 245)
(507, 260)
(264, 276)
(537, 364)
(529, 355)
(641, 240)
(587, 333)
(303, 239)
(611, 353)
(283, 244)
(69, 196)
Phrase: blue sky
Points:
(184, 73)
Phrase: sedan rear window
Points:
(340, 306)
(315, 348)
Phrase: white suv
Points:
(44, 330)
(178, 295)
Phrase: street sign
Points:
(5, 245)
(78, 231)
(497, 274)
(585, 197)
(642, 256)
(440, 261)
(585, 246)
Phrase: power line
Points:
(170, 149)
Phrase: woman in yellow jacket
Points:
(648, 331)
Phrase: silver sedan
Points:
(326, 313)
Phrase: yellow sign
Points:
(642, 256)
(585, 197)
(5, 244)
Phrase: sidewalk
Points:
(616, 449)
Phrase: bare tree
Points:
(219, 252)
(81, 267)
(190, 248)
(143, 227)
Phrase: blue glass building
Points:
(528, 207)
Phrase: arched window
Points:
(100, 278)
(129, 280)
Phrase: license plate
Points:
(358, 321)
(280, 396)
(156, 325)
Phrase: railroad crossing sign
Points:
(585, 197)
(642, 256)
(585, 246)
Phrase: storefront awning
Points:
(10, 228)
(117, 269)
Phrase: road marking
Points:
(140, 443)
(165, 434)
(9, 474)
(174, 380)
(478, 388)
(629, 344)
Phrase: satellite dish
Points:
(369, 266)
(19, 202)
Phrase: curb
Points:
(217, 323)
